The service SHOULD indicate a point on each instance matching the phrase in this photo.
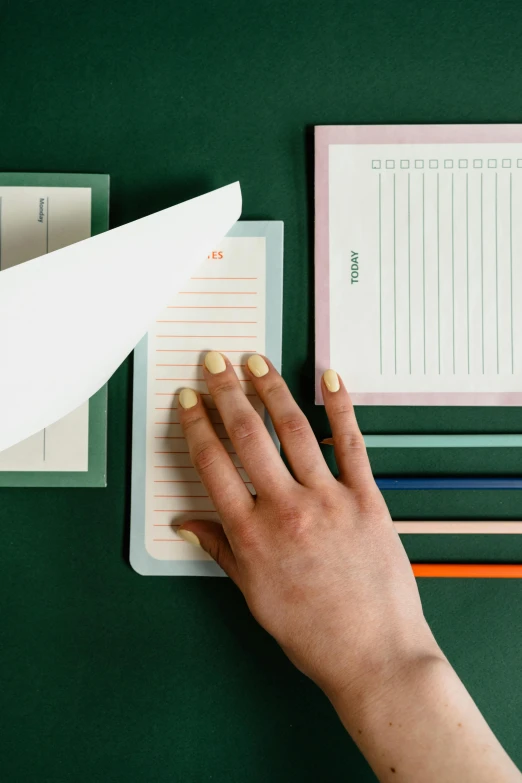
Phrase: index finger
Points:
(218, 473)
(292, 427)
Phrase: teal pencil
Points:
(438, 441)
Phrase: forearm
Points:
(421, 724)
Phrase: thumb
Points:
(211, 537)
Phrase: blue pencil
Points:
(449, 483)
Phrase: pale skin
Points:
(324, 572)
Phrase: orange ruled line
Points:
(212, 307)
(184, 510)
(241, 380)
(192, 365)
(181, 496)
(176, 394)
(171, 452)
(198, 350)
(170, 321)
(180, 437)
(191, 467)
(177, 481)
(186, 452)
(185, 481)
(202, 394)
(207, 336)
(176, 421)
(218, 293)
(216, 420)
(178, 467)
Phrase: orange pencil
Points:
(467, 571)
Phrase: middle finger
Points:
(253, 444)
(292, 427)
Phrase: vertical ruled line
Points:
(467, 262)
(0, 232)
(394, 280)
(496, 265)
(453, 264)
(409, 270)
(380, 272)
(438, 263)
(511, 264)
(482, 260)
(424, 271)
(46, 250)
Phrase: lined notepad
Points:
(419, 277)
(233, 306)
(35, 221)
(41, 213)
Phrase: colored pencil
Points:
(472, 441)
(500, 527)
(468, 570)
(453, 482)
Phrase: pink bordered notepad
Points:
(418, 263)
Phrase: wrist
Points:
(384, 671)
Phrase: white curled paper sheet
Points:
(69, 319)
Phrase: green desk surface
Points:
(109, 676)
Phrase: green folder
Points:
(94, 187)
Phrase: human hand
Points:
(317, 559)
(323, 570)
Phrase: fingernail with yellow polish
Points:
(331, 380)
(188, 398)
(189, 537)
(257, 365)
(215, 363)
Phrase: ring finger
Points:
(292, 427)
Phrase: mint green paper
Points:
(96, 475)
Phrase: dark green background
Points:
(109, 676)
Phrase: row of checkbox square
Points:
(462, 163)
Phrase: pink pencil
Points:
(459, 528)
